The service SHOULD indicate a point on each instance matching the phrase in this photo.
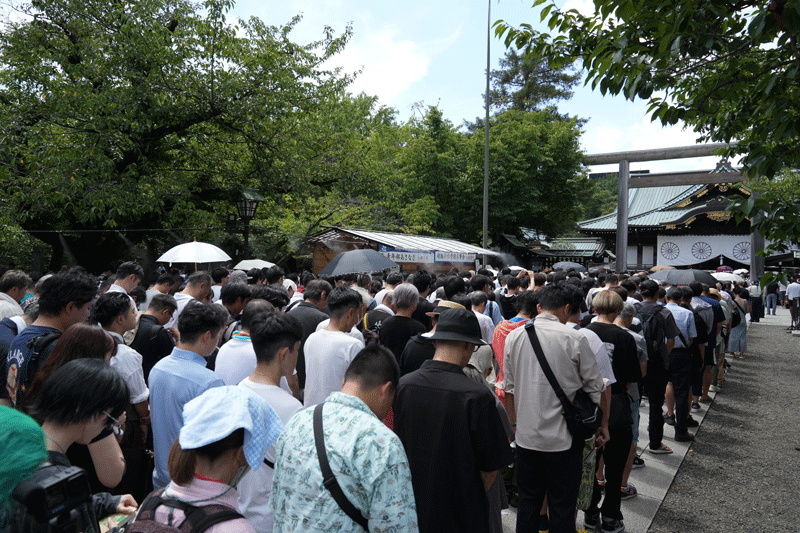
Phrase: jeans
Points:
(772, 303)
(555, 474)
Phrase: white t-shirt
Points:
(236, 360)
(487, 327)
(355, 333)
(181, 299)
(600, 353)
(328, 354)
(256, 487)
(793, 291)
(128, 362)
(216, 289)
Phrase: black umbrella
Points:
(357, 262)
(566, 265)
(684, 277)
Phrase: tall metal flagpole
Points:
(486, 130)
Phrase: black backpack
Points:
(652, 331)
(198, 518)
(36, 346)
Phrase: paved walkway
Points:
(656, 480)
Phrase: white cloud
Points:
(390, 64)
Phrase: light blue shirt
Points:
(366, 457)
(493, 311)
(174, 381)
(685, 321)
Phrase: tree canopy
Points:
(137, 114)
(730, 70)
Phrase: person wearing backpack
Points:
(659, 330)
(226, 432)
(66, 299)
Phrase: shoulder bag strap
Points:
(329, 479)
(548, 372)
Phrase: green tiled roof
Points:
(647, 206)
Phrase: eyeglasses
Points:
(114, 425)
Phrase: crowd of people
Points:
(261, 401)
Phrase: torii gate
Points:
(667, 179)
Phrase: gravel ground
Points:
(741, 475)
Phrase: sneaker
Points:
(695, 407)
(628, 492)
(591, 522)
(663, 449)
(669, 420)
(714, 388)
(612, 526)
(638, 462)
(692, 423)
(684, 437)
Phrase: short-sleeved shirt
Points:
(623, 354)
(128, 362)
(684, 319)
(19, 356)
(668, 322)
(369, 463)
(452, 432)
(8, 330)
(396, 331)
(174, 381)
(328, 354)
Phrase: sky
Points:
(434, 52)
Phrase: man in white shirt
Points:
(236, 358)
(549, 459)
(479, 299)
(276, 341)
(197, 287)
(127, 278)
(13, 286)
(116, 314)
(329, 351)
(792, 293)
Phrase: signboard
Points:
(426, 257)
(454, 257)
(402, 256)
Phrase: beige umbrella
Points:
(661, 267)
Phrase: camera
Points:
(56, 495)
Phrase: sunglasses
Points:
(114, 425)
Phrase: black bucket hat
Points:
(458, 325)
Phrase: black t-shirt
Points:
(423, 306)
(375, 319)
(395, 332)
(508, 306)
(418, 350)
(622, 352)
(153, 343)
(772, 288)
(451, 430)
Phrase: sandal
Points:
(663, 449)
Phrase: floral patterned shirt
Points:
(369, 462)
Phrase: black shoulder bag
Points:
(583, 416)
(328, 477)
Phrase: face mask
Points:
(243, 470)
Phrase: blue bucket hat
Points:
(220, 411)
